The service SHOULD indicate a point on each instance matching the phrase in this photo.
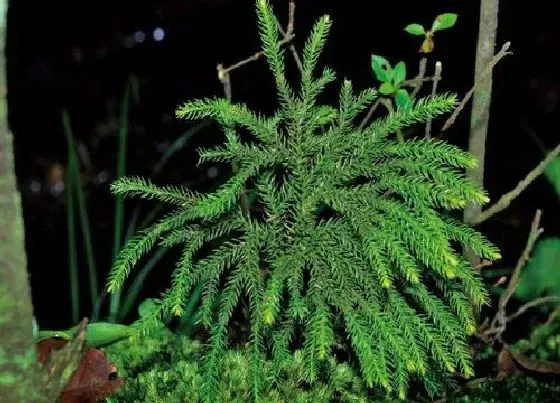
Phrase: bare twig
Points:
(531, 304)
(225, 79)
(536, 231)
(484, 263)
(534, 136)
(289, 33)
(501, 54)
(223, 76)
(288, 36)
(437, 78)
(413, 81)
(553, 315)
(507, 198)
(419, 80)
(253, 58)
(387, 103)
(369, 114)
(498, 324)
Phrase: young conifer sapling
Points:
(356, 245)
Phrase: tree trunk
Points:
(22, 379)
(482, 97)
(18, 361)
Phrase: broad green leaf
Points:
(381, 67)
(444, 21)
(415, 29)
(541, 276)
(402, 99)
(552, 173)
(399, 73)
(386, 88)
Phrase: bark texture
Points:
(482, 97)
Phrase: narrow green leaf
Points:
(118, 222)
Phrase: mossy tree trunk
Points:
(22, 378)
(19, 370)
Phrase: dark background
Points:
(77, 55)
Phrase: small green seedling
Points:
(441, 22)
(391, 79)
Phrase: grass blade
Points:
(138, 283)
(178, 145)
(72, 253)
(189, 319)
(74, 177)
(119, 200)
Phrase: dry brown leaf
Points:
(95, 379)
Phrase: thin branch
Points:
(507, 198)
(536, 231)
(225, 79)
(288, 36)
(413, 81)
(420, 78)
(484, 263)
(534, 136)
(552, 315)
(253, 58)
(437, 78)
(388, 104)
(501, 54)
(289, 33)
(369, 114)
(531, 304)
(498, 324)
(223, 76)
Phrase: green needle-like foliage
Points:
(352, 247)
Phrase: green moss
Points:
(519, 389)
(166, 368)
(162, 367)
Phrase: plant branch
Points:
(420, 78)
(225, 78)
(480, 109)
(507, 198)
(436, 79)
(498, 324)
(369, 114)
(531, 304)
(386, 102)
(536, 231)
(289, 34)
(499, 56)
